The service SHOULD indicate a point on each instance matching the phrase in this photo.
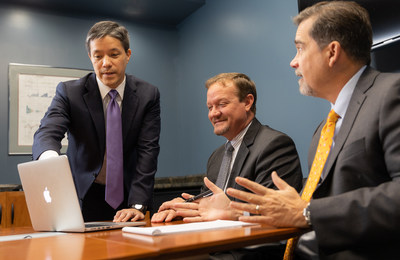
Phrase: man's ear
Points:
(334, 50)
(129, 53)
(249, 100)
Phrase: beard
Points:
(221, 131)
(306, 90)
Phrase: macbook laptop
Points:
(52, 200)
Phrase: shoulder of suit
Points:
(257, 128)
(267, 134)
(138, 82)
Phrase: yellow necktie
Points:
(324, 147)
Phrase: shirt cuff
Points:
(48, 154)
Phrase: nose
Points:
(294, 64)
(106, 61)
(214, 112)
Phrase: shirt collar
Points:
(237, 141)
(343, 99)
(105, 89)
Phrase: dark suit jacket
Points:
(355, 211)
(262, 151)
(78, 110)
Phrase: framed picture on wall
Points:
(31, 90)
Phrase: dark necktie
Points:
(225, 166)
(114, 170)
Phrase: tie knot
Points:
(113, 94)
(228, 147)
(332, 116)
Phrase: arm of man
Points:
(53, 125)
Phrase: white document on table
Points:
(188, 227)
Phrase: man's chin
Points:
(109, 83)
(306, 91)
(220, 131)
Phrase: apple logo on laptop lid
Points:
(46, 195)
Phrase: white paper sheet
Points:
(188, 227)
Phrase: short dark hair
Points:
(343, 21)
(242, 82)
(108, 28)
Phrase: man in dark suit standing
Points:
(257, 149)
(79, 109)
(354, 211)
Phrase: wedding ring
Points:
(257, 208)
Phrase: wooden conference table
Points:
(115, 244)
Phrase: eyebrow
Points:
(298, 42)
(113, 49)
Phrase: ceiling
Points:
(157, 12)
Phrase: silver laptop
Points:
(52, 200)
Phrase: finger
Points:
(137, 217)
(119, 219)
(193, 219)
(279, 183)
(117, 215)
(127, 217)
(170, 216)
(252, 208)
(245, 196)
(214, 188)
(191, 205)
(187, 213)
(159, 217)
(165, 206)
(186, 196)
(251, 185)
(169, 204)
(254, 219)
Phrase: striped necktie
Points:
(225, 166)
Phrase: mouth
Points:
(217, 122)
(107, 73)
(298, 74)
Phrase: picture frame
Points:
(31, 90)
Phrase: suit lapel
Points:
(95, 107)
(129, 106)
(241, 156)
(359, 95)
